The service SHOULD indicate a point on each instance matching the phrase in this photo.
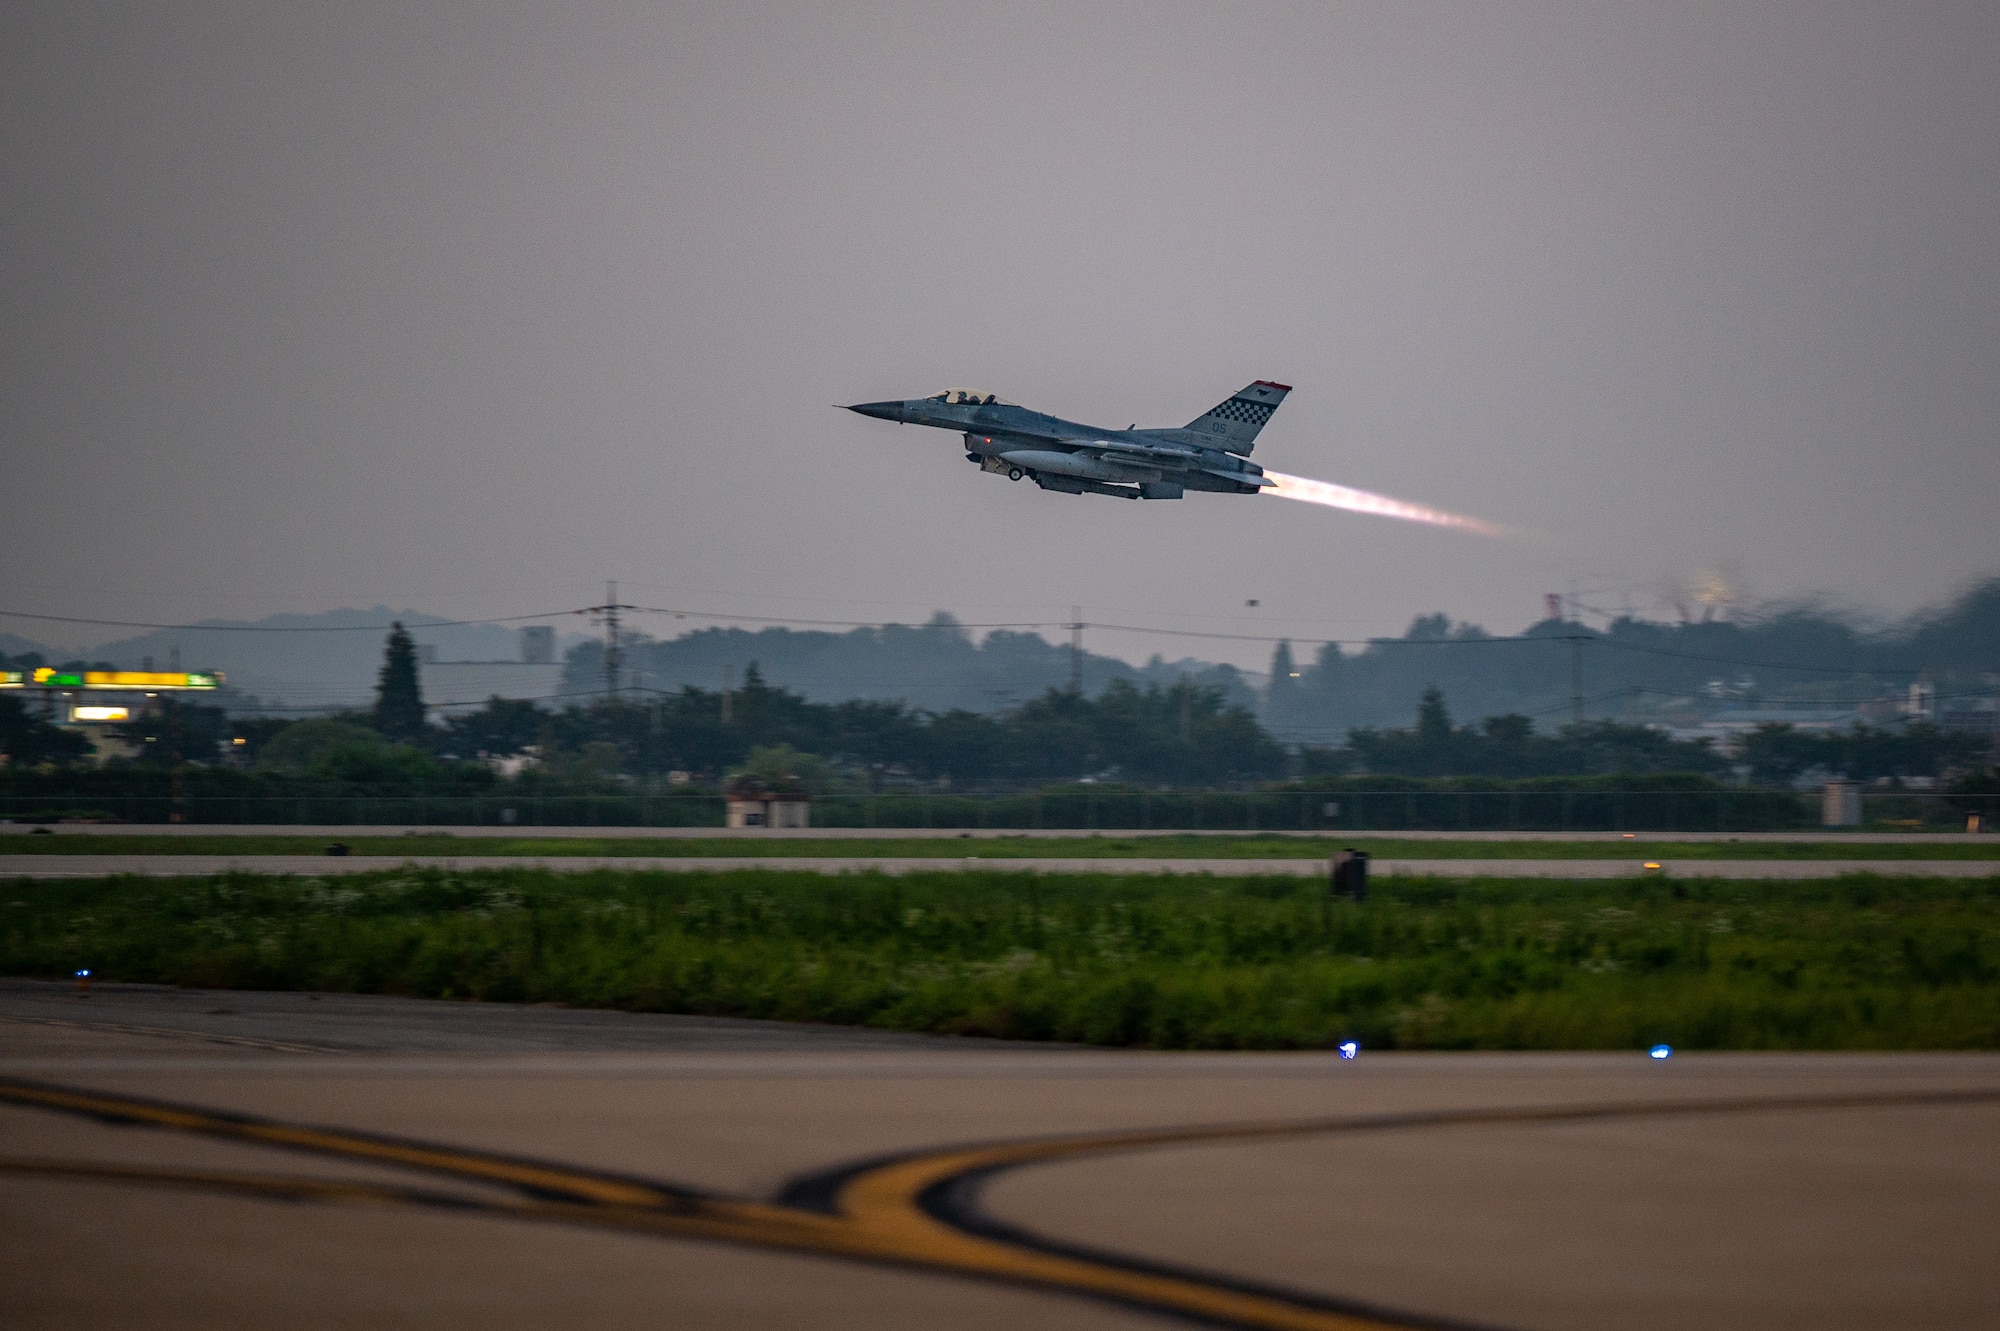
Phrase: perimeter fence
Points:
(1066, 808)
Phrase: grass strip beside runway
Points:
(1862, 962)
(1109, 845)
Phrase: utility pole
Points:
(1576, 678)
(179, 813)
(728, 691)
(614, 655)
(1076, 650)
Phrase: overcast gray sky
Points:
(469, 307)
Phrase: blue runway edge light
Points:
(1660, 1051)
(1350, 1049)
(83, 975)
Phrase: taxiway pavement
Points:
(184, 1158)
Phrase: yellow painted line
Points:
(884, 1201)
(760, 1226)
(353, 1146)
(883, 1204)
(878, 1216)
(273, 1186)
(873, 1224)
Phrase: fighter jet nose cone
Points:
(881, 411)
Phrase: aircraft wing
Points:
(1163, 456)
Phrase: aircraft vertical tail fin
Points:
(1233, 425)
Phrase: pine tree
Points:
(1433, 718)
(399, 703)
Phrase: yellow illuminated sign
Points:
(151, 681)
(100, 713)
(148, 679)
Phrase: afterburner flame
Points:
(1361, 501)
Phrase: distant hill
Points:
(936, 667)
(1639, 670)
(1633, 669)
(330, 659)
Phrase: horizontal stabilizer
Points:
(1241, 482)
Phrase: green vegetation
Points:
(399, 706)
(1184, 734)
(27, 739)
(1182, 752)
(1507, 746)
(1777, 754)
(1854, 963)
(1024, 846)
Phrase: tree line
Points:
(1634, 667)
(1183, 734)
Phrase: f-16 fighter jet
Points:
(1210, 452)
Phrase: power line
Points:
(784, 620)
(276, 628)
(1753, 665)
(1076, 625)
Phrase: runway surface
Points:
(97, 866)
(179, 1158)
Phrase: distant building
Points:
(754, 806)
(538, 645)
(100, 723)
(456, 687)
(1973, 712)
(1979, 716)
(1733, 723)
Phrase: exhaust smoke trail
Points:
(1362, 501)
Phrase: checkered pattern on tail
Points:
(1233, 425)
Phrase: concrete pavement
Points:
(403, 1163)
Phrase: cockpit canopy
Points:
(964, 397)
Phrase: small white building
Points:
(1840, 804)
(751, 807)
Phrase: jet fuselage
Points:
(1067, 456)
